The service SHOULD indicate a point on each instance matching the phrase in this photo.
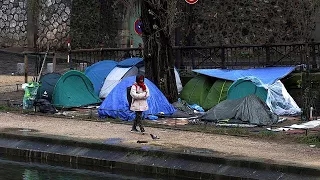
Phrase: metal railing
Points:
(231, 56)
(244, 56)
(92, 56)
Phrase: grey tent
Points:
(249, 109)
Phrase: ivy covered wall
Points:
(96, 23)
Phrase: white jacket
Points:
(139, 98)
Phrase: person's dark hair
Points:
(139, 76)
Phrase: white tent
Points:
(119, 73)
(114, 77)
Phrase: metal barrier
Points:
(231, 56)
(92, 56)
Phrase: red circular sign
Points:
(191, 1)
(138, 26)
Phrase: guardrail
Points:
(229, 56)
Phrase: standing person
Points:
(139, 92)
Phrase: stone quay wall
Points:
(54, 23)
(43, 22)
(13, 22)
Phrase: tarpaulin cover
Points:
(130, 62)
(116, 104)
(275, 95)
(30, 93)
(267, 75)
(249, 109)
(98, 72)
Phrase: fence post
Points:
(306, 85)
(70, 59)
(25, 68)
(313, 54)
(178, 57)
(192, 59)
(267, 55)
(101, 55)
(54, 62)
(223, 57)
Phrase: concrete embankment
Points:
(147, 159)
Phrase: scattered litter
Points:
(306, 125)
(312, 145)
(278, 129)
(281, 119)
(142, 141)
(237, 125)
(152, 117)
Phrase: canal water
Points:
(22, 170)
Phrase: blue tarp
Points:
(116, 104)
(130, 62)
(98, 72)
(267, 75)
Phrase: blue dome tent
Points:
(116, 105)
(98, 72)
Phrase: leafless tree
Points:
(159, 19)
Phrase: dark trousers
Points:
(138, 121)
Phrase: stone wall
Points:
(13, 22)
(51, 21)
(54, 23)
(104, 23)
(252, 21)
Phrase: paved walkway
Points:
(271, 152)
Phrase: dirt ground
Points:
(104, 132)
(11, 89)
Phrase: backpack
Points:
(44, 106)
(129, 97)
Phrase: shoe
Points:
(134, 130)
(142, 130)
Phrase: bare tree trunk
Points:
(158, 57)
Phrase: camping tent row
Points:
(213, 86)
(75, 89)
(105, 75)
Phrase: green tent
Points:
(217, 93)
(74, 89)
(196, 90)
(246, 86)
(205, 91)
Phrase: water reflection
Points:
(30, 175)
(17, 170)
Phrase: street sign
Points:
(191, 1)
(138, 26)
